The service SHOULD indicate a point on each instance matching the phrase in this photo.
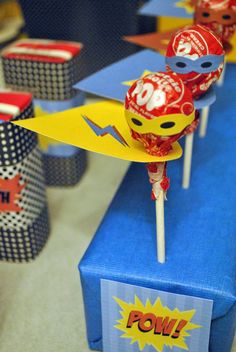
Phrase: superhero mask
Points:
(158, 109)
(196, 54)
(217, 15)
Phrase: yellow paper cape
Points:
(100, 128)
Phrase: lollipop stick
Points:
(221, 80)
(204, 121)
(188, 150)
(160, 228)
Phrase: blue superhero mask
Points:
(205, 64)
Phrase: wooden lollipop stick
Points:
(204, 121)
(188, 150)
(160, 228)
(221, 80)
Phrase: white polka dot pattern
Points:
(16, 142)
(48, 81)
(33, 196)
(64, 171)
(24, 244)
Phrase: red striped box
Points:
(46, 68)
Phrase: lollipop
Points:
(197, 56)
(219, 16)
(159, 110)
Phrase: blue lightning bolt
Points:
(103, 131)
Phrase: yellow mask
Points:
(166, 125)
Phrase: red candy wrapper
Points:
(158, 179)
(219, 16)
(193, 43)
(159, 109)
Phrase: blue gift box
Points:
(200, 232)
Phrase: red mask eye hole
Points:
(205, 14)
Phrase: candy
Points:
(196, 54)
(159, 109)
(219, 16)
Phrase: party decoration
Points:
(196, 54)
(99, 127)
(188, 5)
(154, 324)
(219, 16)
(159, 110)
(158, 107)
(23, 206)
(170, 8)
(125, 72)
(48, 69)
(10, 194)
(157, 41)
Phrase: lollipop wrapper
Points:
(158, 109)
(217, 15)
(188, 47)
(158, 179)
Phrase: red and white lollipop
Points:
(219, 16)
(159, 110)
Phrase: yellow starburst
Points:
(129, 83)
(154, 324)
(186, 4)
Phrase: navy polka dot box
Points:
(48, 69)
(24, 221)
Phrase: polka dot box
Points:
(24, 222)
(48, 69)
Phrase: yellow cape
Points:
(100, 128)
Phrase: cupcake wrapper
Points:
(65, 171)
(23, 244)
